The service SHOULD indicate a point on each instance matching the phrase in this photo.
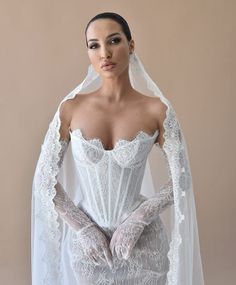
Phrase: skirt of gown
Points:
(147, 264)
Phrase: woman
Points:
(95, 226)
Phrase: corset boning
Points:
(111, 180)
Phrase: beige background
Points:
(188, 48)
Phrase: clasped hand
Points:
(96, 246)
(125, 237)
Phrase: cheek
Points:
(121, 51)
(122, 54)
(95, 61)
(93, 58)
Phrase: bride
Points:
(91, 222)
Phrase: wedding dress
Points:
(83, 194)
(110, 181)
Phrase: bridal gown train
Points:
(110, 182)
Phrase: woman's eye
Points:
(117, 40)
(91, 47)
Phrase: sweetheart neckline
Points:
(149, 136)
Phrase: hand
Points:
(125, 237)
(94, 244)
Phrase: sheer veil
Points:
(181, 223)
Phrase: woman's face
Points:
(107, 42)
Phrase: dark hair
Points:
(117, 18)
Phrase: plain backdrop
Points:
(187, 47)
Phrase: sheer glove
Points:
(93, 242)
(127, 233)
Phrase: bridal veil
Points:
(181, 224)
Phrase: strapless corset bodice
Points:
(110, 180)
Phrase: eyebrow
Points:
(113, 34)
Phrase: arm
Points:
(128, 232)
(152, 207)
(93, 241)
(67, 210)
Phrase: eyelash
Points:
(91, 47)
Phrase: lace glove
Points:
(127, 233)
(94, 242)
(125, 237)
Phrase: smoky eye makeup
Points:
(116, 40)
(92, 45)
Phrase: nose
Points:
(105, 52)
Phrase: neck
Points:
(115, 89)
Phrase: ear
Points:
(131, 46)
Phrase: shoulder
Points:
(67, 107)
(65, 114)
(65, 110)
(156, 108)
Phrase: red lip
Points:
(107, 63)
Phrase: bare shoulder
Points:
(65, 114)
(156, 108)
(67, 107)
(66, 110)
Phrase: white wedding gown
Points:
(110, 183)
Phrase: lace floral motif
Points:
(120, 142)
(127, 153)
(182, 251)
(152, 207)
(155, 256)
(72, 215)
(178, 183)
(46, 173)
(92, 240)
(111, 185)
(152, 246)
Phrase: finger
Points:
(95, 260)
(125, 252)
(91, 255)
(90, 258)
(102, 257)
(100, 253)
(111, 246)
(108, 257)
(112, 249)
(118, 251)
(114, 240)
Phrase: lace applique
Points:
(176, 155)
(152, 246)
(141, 135)
(64, 145)
(127, 153)
(161, 200)
(71, 214)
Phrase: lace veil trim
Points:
(184, 254)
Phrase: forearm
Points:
(65, 207)
(67, 210)
(154, 206)
(129, 231)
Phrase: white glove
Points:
(127, 233)
(94, 243)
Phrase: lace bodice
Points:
(110, 180)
